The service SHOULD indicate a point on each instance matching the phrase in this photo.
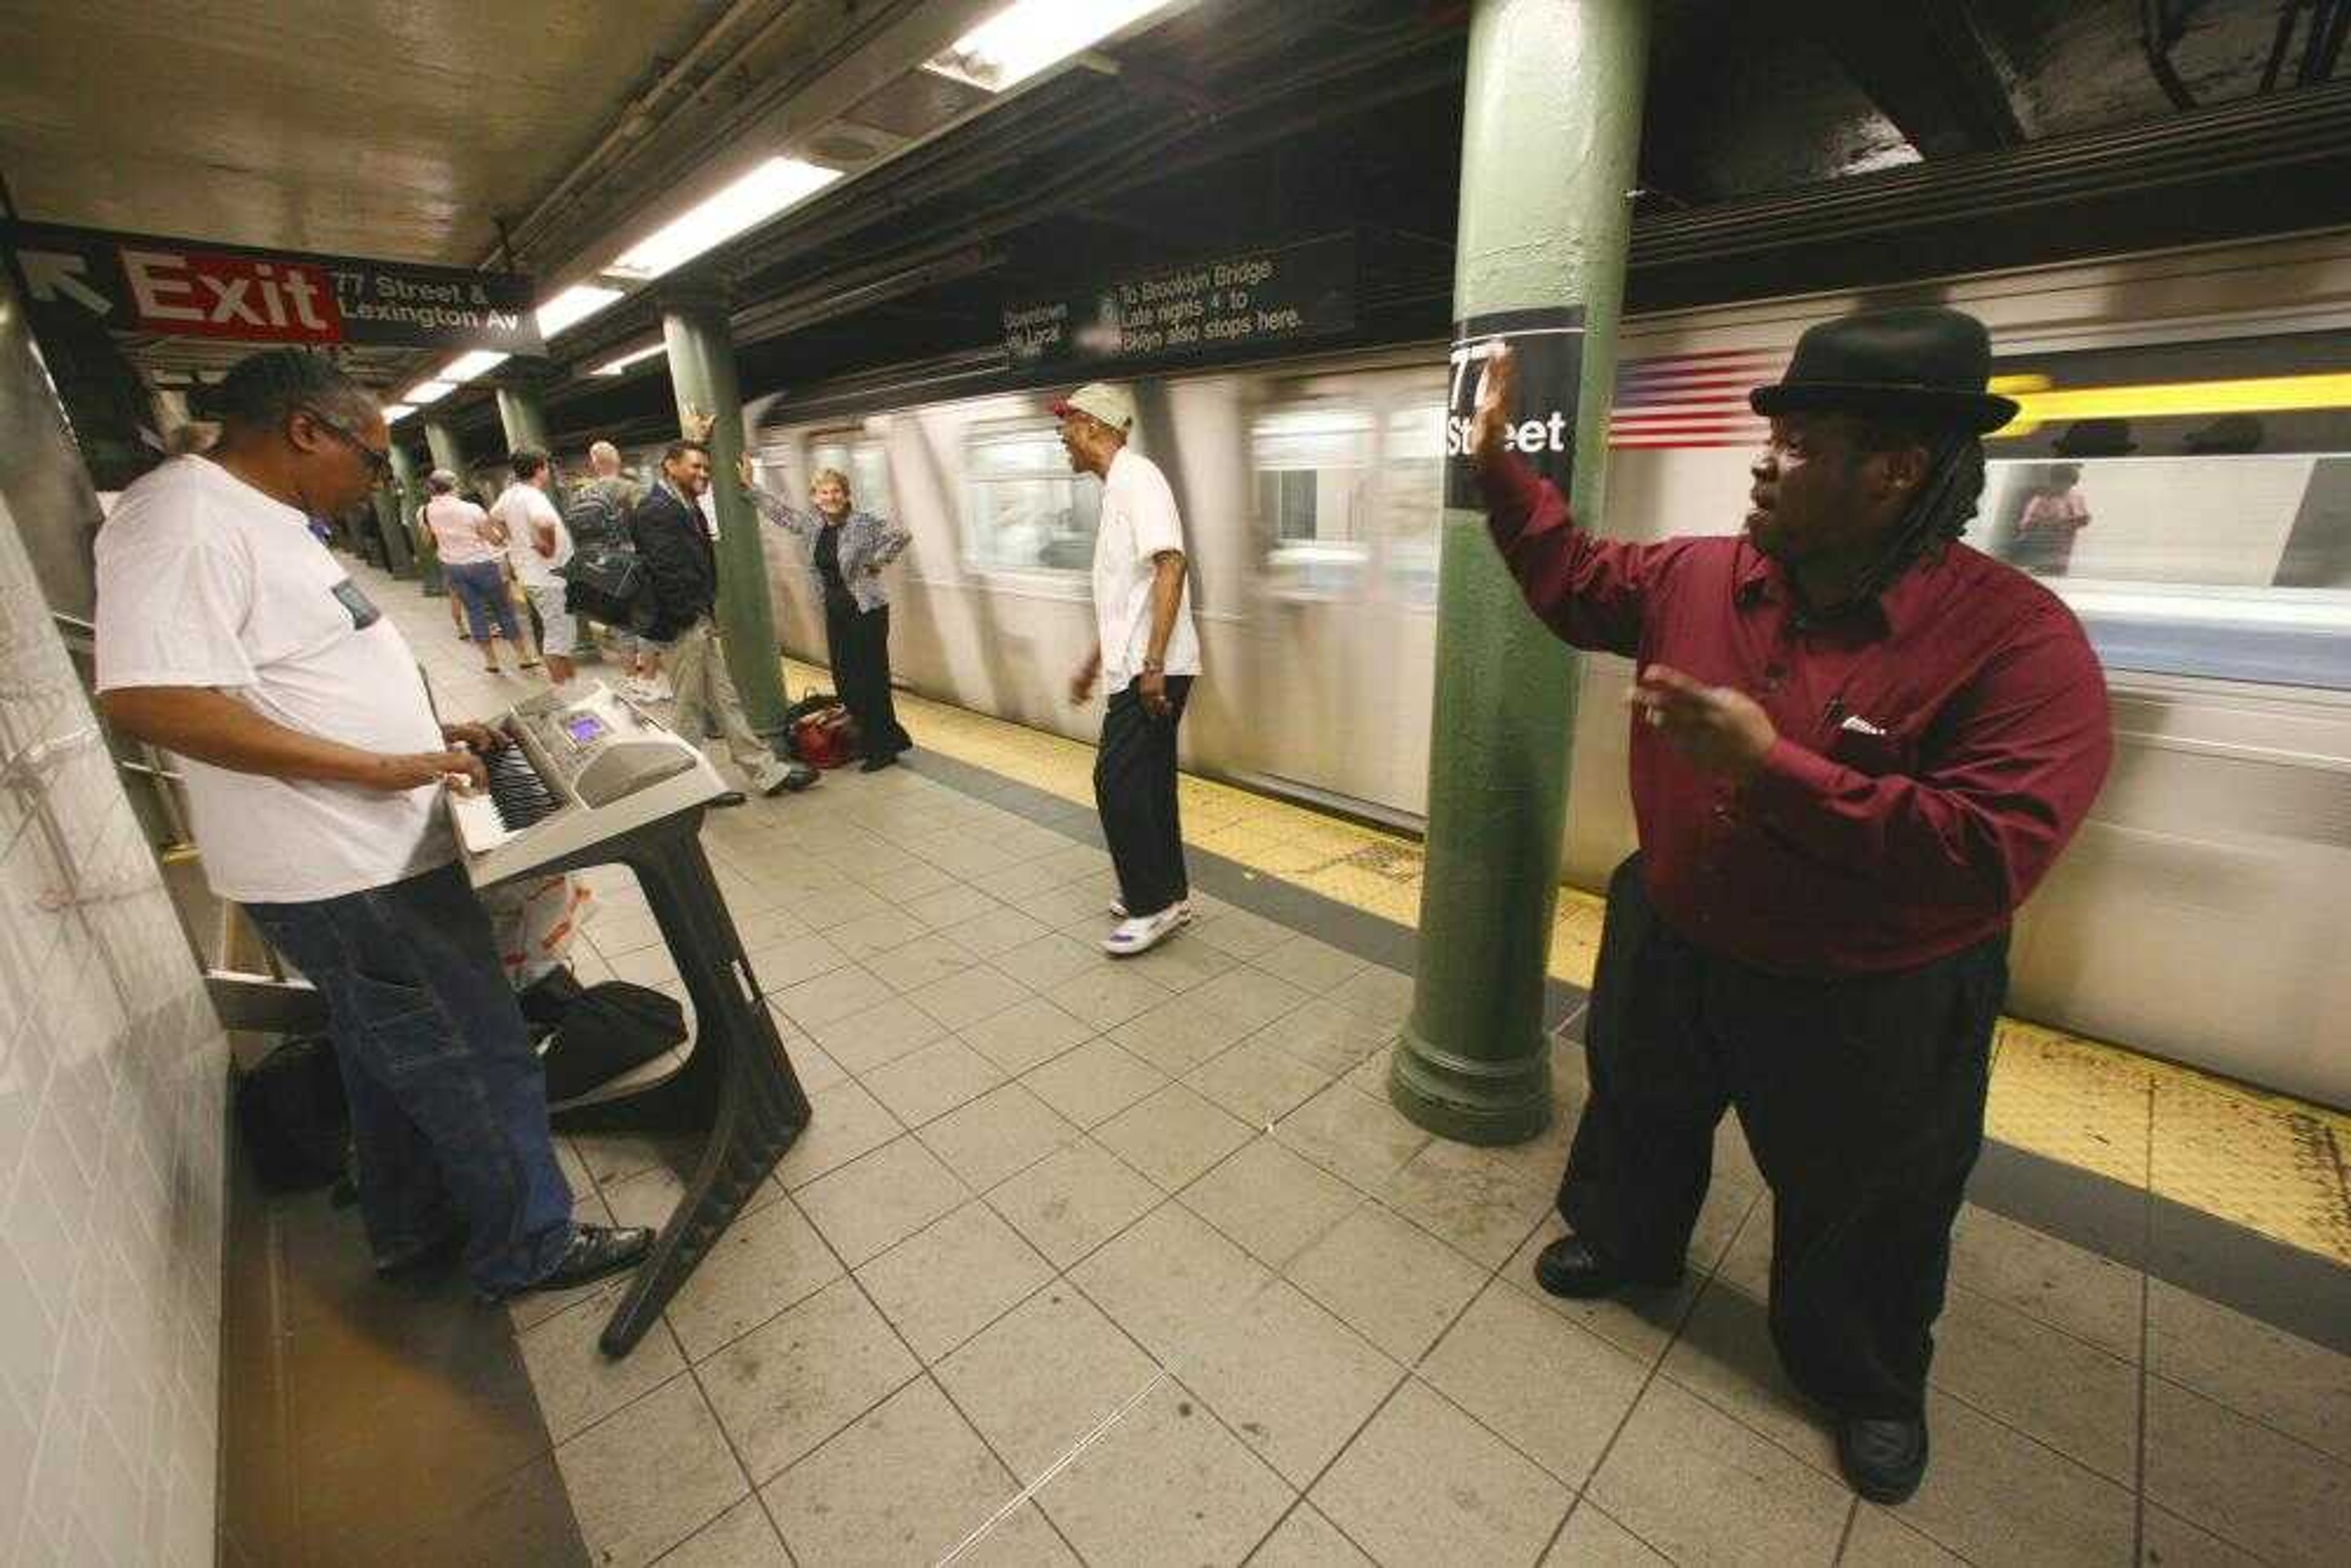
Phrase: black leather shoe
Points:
(875, 764)
(1884, 1460)
(1569, 1267)
(732, 798)
(595, 1251)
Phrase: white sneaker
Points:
(1140, 934)
(1118, 908)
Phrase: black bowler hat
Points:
(1922, 362)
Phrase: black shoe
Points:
(797, 776)
(732, 798)
(1569, 1267)
(1883, 1460)
(875, 764)
(595, 1251)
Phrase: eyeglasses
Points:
(379, 463)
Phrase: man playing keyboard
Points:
(228, 635)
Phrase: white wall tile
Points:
(113, 1072)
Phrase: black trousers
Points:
(1134, 790)
(859, 643)
(1863, 1100)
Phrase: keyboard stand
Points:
(737, 1081)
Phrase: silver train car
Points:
(2182, 474)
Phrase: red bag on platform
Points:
(826, 738)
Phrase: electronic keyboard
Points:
(580, 766)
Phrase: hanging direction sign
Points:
(143, 283)
(1230, 305)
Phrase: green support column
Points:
(524, 415)
(398, 557)
(409, 485)
(702, 372)
(1549, 144)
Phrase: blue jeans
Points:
(449, 1102)
(481, 587)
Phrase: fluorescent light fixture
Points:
(466, 367)
(423, 392)
(1027, 35)
(573, 305)
(634, 356)
(393, 412)
(768, 190)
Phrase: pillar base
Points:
(1469, 1099)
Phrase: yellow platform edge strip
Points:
(2265, 1162)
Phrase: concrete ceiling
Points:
(381, 128)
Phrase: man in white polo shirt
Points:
(539, 546)
(228, 635)
(1145, 655)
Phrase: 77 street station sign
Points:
(145, 283)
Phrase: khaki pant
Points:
(697, 668)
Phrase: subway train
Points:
(2182, 474)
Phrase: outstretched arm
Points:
(1591, 592)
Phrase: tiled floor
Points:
(1129, 1263)
(2275, 1166)
(1135, 1263)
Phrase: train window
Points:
(1026, 512)
(1309, 465)
(867, 464)
(1412, 482)
(2190, 501)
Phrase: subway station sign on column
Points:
(194, 288)
(1251, 300)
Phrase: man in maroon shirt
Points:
(1858, 745)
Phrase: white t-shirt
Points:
(458, 535)
(521, 510)
(1138, 522)
(203, 580)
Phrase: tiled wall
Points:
(112, 1075)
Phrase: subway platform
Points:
(1132, 1263)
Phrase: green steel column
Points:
(524, 415)
(702, 372)
(409, 485)
(398, 558)
(1550, 145)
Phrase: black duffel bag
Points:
(607, 1031)
(292, 1117)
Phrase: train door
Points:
(1411, 514)
(1311, 460)
(1344, 481)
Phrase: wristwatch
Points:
(1154, 666)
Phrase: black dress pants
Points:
(860, 644)
(1134, 790)
(1863, 1100)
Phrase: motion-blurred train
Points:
(2181, 474)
